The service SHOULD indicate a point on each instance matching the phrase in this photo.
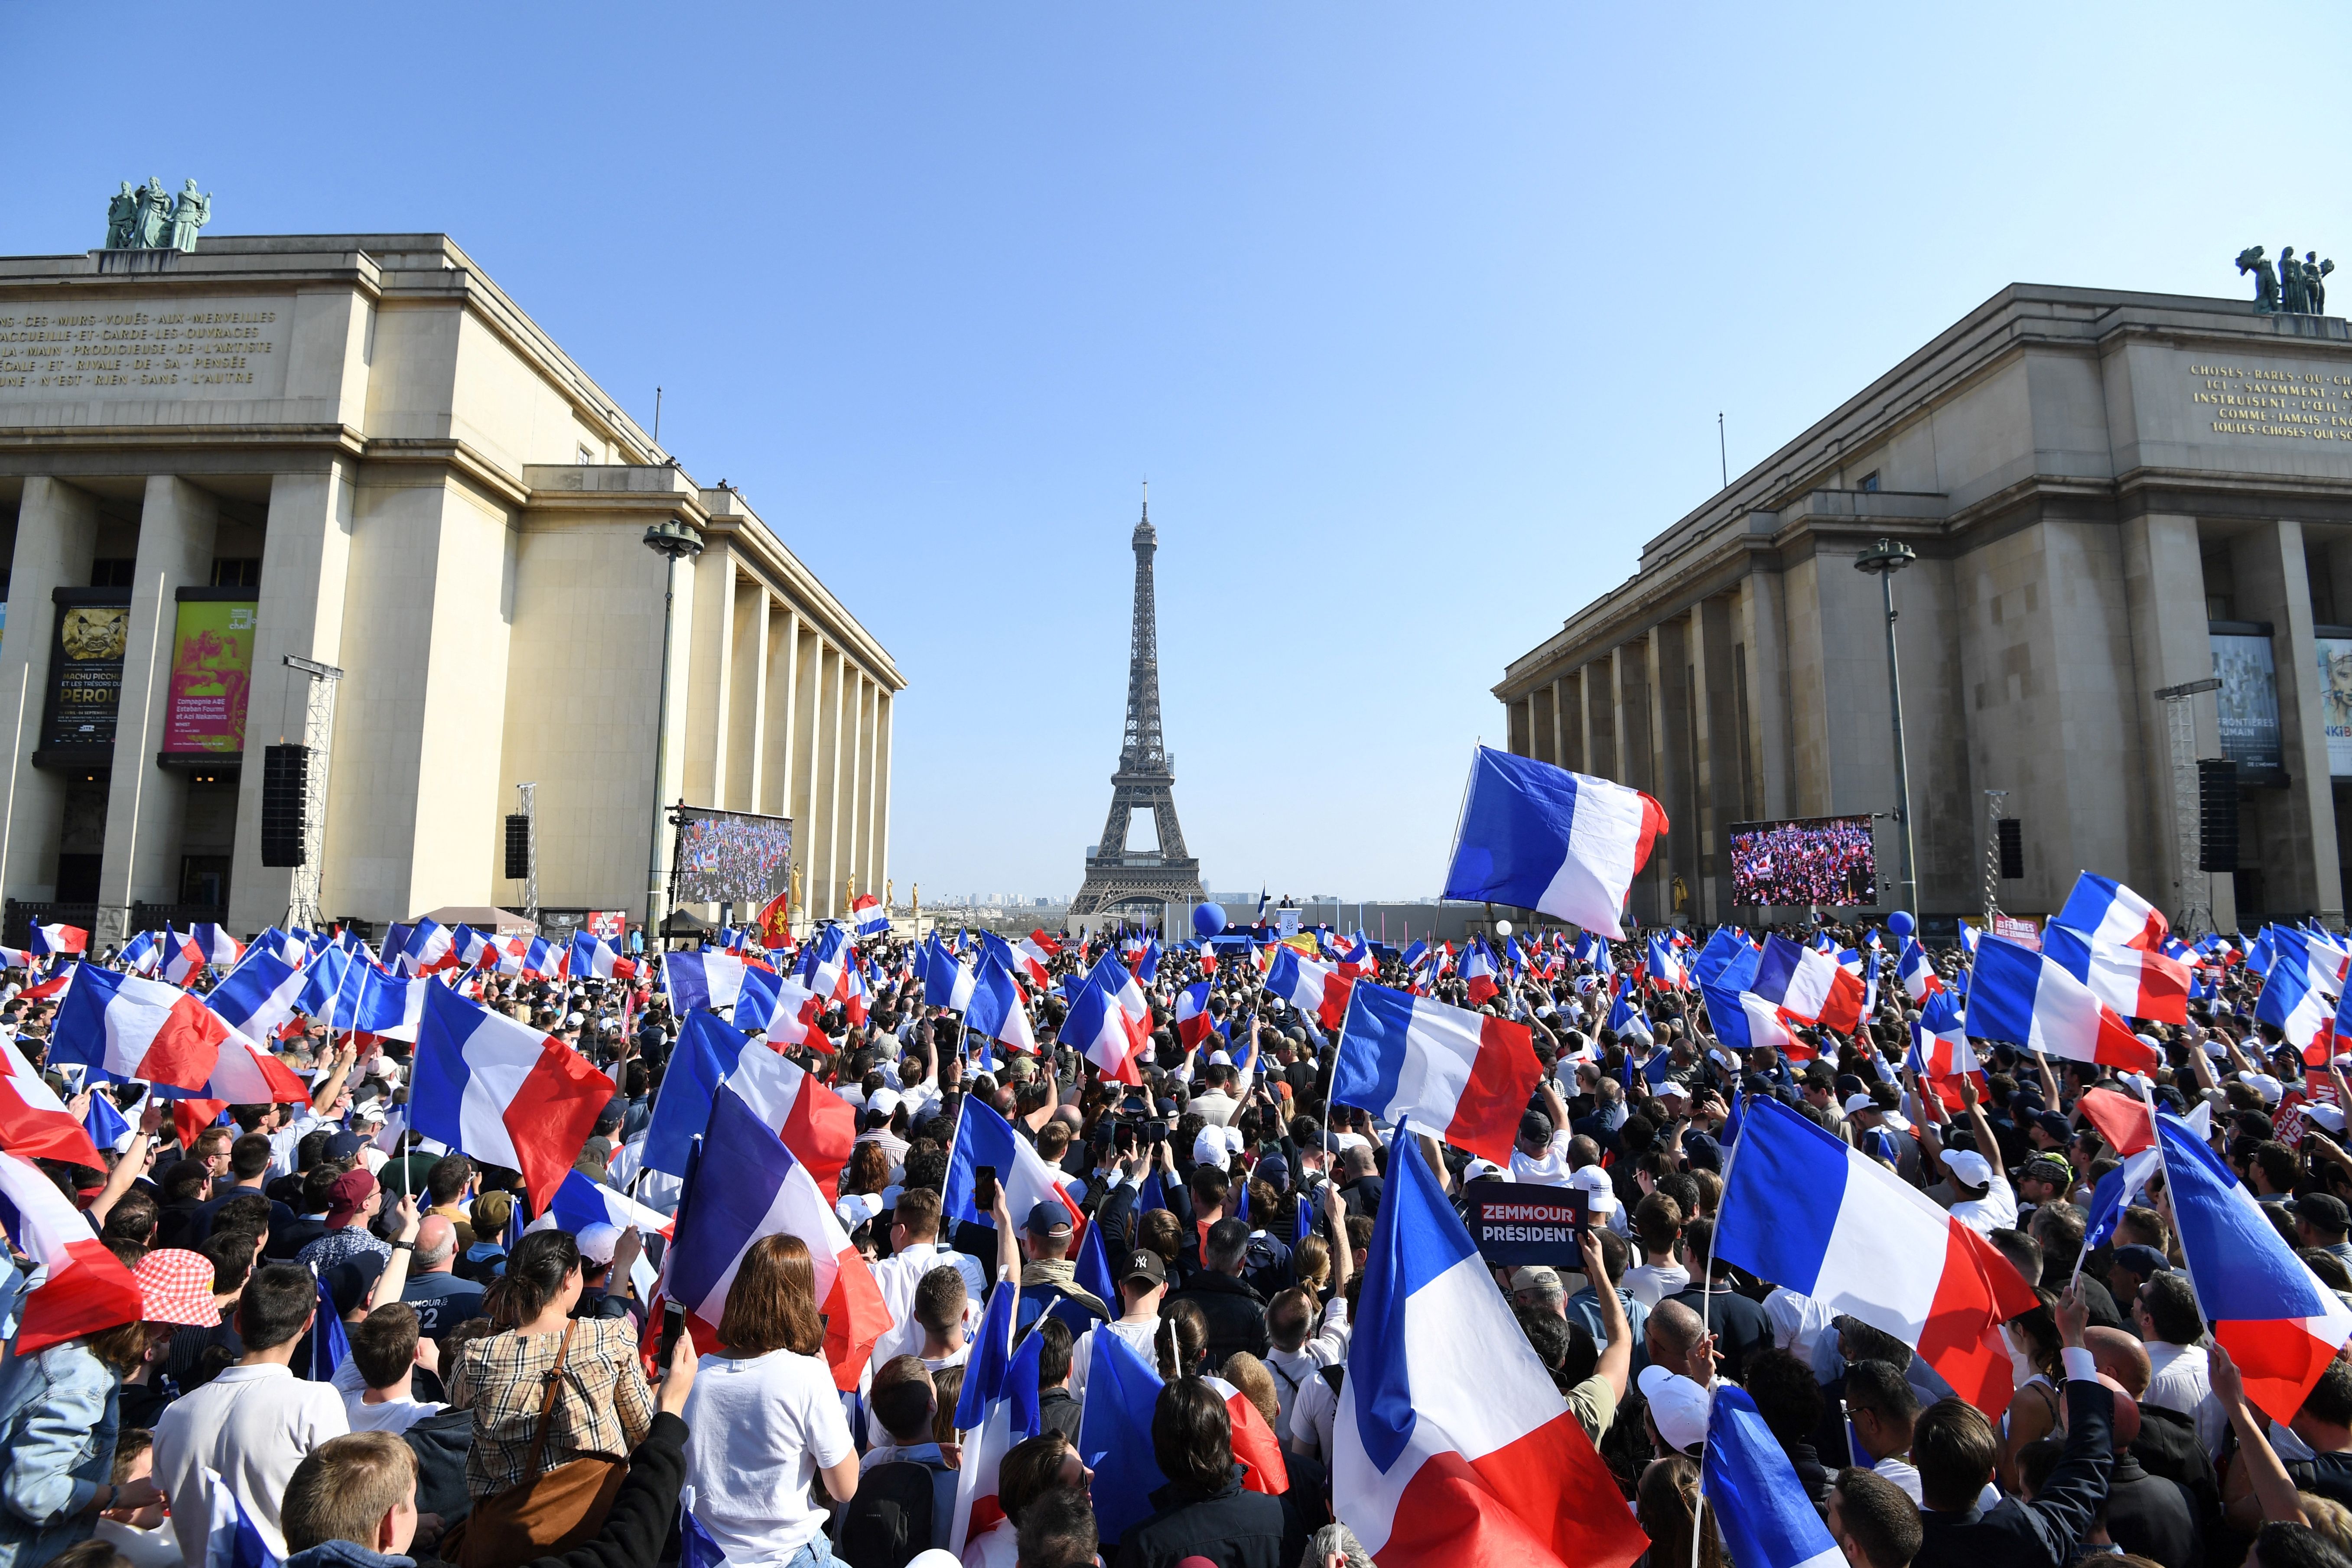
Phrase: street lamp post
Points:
(674, 541)
(1885, 559)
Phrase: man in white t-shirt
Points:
(1658, 1229)
(915, 1251)
(1541, 1156)
(388, 1348)
(254, 1423)
(1143, 1281)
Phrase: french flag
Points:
(1663, 967)
(1460, 1075)
(866, 911)
(705, 979)
(248, 1075)
(2279, 1323)
(261, 995)
(1866, 1242)
(2026, 998)
(1103, 1034)
(1808, 984)
(502, 1092)
(1540, 837)
(1629, 1021)
(591, 958)
(747, 1187)
(1358, 959)
(1124, 990)
(1478, 972)
(475, 950)
(984, 1138)
(1761, 1508)
(583, 1201)
(49, 939)
(541, 959)
(183, 958)
(1452, 1446)
(947, 980)
(780, 1008)
(2101, 908)
(119, 1027)
(1746, 1022)
(1192, 1017)
(429, 946)
(390, 1008)
(34, 1122)
(1309, 986)
(1939, 1049)
(817, 1125)
(1028, 960)
(996, 1013)
(2136, 982)
(997, 1409)
(78, 1286)
(1918, 974)
(2293, 1004)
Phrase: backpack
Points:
(890, 1521)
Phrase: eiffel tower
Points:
(1116, 877)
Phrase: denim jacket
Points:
(57, 1443)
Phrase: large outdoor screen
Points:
(1810, 860)
(731, 856)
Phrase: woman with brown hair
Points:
(869, 1170)
(1665, 1505)
(602, 1406)
(764, 1419)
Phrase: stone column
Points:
(709, 699)
(1670, 729)
(885, 710)
(144, 802)
(747, 692)
(853, 684)
(1514, 726)
(782, 687)
(823, 899)
(1718, 758)
(305, 563)
(2298, 851)
(808, 702)
(1543, 732)
(57, 527)
(1767, 693)
(2164, 593)
(1630, 724)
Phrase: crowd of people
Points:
(1824, 863)
(351, 1354)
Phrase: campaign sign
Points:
(1519, 1225)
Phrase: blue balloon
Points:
(1901, 923)
(1208, 919)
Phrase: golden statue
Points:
(889, 892)
(796, 888)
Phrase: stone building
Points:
(2109, 494)
(356, 450)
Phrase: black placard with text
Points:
(1516, 1224)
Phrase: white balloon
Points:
(1502, 928)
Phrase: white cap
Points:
(2215, 1048)
(857, 1208)
(1479, 1170)
(2328, 1116)
(572, 1020)
(1857, 1103)
(2266, 1085)
(884, 1102)
(596, 1241)
(368, 1111)
(1595, 1180)
(1969, 1166)
(1232, 1137)
(1677, 1405)
(1220, 1060)
(1670, 1088)
(1209, 1148)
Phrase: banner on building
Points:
(2248, 706)
(86, 673)
(730, 857)
(2335, 702)
(212, 674)
(610, 924)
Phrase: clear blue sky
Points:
(1417, 318)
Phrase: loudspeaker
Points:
(2217, 814)
(284, 805)
(2012, 840)
(518, 847)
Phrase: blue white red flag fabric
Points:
(390, 1008)
(582, 1201)
(947, 980)
(45, 939)
(2103, 910)
(1808, 984)
(1478, 971)
(997, 1409)
(706, 980)
(706, 1053)
(1663, 966)
(1114, 1435)
(1460, 1075)
(1147, 965)
(1920, 979)
(1309, 986)
(591, 957)
(1723, 948)
(984, 1138)
(1541, 837)
(1744, 1021)
(817, 1125)
(1124, 989)
(996, 1012)
(119, 1027)
(541, 958)
(36, 1124)
(1867, 1243)
(1360, 959)
(866, 914)
(1452, 1447)
(180, 958)
(2115, 1193)
(1103, 1034)
(502, 1092)
(78, 1287)
(248, 1075)
(231, 1539)
(429, 946)
(1629, 1022)
(2025, 998)
(1941, 1053)
(1761, 1508)
(2293, 1004)
(261, 995)
(1193, 1017)
(781, 1009)
(749, 1187)
(1028, 960)
(477, 949)
(2279, 1323)
(104, 1122)
(2138, 982)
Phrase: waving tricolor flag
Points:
(2026, 998)
(1745, 1022)
(591, 957)
(49, 939)
(119, 1027)
(262, 994)
(1663, 966)
(984, 1138)
(34, 1122)
(781, 1009)
(1309, 986)
(1478, 971)
(704, 980)
(1808, 984)
(1462, 1076)
(1939, 1049)
(502, 1092)
(947, 980)
(997, 1409)
(1761, 1508)
(866, 914)
(996, 1012)
(1542, 837)
(1100, 1030)
(2138, 981)
(1193, 1021)
(1866, 1242)
(1452, 1447)
(183, 958)
(1920, 979)
(78, 1286)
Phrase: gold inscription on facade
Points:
(2299, 403)
(89, 350)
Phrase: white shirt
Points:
(898, 1275)
(1291, 1370)
(1551, 1170)
(758, 1431)
(1651, 1283)
(1311, 1413)
(253, 1424)
(393, 1416)
(2181, 1380)
(1997, 1210)
(156, 1548)
(1139, 1335)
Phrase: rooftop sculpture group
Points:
(2290, 288)
(147, 218)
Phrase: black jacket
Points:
(1231, 1528)
(2167, 1447)
(2151, 1516)
(2041, 1533)
(440, 1443)
(642, 1513)
(1235, 1312)
(1362, 1196)
(1060, 1413)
